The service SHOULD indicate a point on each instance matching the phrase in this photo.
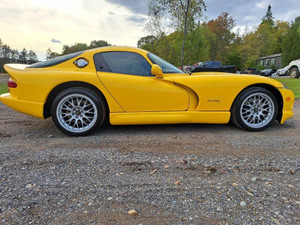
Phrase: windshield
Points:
(165, 66)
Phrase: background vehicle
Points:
(282, 72)
(186, 69)
(250, 71)
(294, 68)
(214, 66)
(267, 72)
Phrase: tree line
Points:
(67, 49)
(192, 41)
(217, 40)
(9, 55)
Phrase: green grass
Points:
(293, 84)
(3, 88)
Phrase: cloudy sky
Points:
(42, 24)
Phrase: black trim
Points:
(55, 61)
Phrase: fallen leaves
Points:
(177, 182)
(153, 172)
(132, 212)
(210, 169)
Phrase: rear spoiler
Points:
(15, 66)
(15, 69)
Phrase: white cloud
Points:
(243, 30)
(53, 40)
(263, 4)
(33, 23)
(289, 15)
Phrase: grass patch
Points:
(3, 88)
(293, 84)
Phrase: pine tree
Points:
(268, 18)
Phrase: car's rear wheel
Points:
(254, 109)
(78, 111)
(294, 73)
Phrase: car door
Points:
(209, 66)
(127, 76)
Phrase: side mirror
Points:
(157, 71)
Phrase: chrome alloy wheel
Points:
(257, 110)
(76, 113)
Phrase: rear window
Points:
(55, 61)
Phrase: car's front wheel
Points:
(254, 109)
(78, 111)
(294, 73)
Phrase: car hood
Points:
(215, 79)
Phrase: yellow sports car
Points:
(127, 85)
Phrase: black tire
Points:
(250, 114)
(286, 73)
(294, 73)
(78, 111)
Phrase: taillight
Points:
(11, 84)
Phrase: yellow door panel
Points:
(145, 93)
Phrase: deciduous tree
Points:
(183, 11)
(291, 47)
(221, 27)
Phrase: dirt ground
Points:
(25, 135)
(203, 139)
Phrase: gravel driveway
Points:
(172, 174)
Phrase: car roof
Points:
(117, 48)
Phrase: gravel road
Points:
(169, 174)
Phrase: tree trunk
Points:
(184, 33)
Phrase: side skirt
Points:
(220, 117)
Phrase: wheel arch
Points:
(59, 88)
(294, 66)
(270, 88)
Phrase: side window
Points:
(267, 62)
(216, 64)
(122, 62)
(272, 61)
(209, 64)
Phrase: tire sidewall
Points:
(296, 73)
(238, 103)
(82, 91)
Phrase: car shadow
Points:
(164, 129)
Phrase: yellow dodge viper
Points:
(127, 85)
